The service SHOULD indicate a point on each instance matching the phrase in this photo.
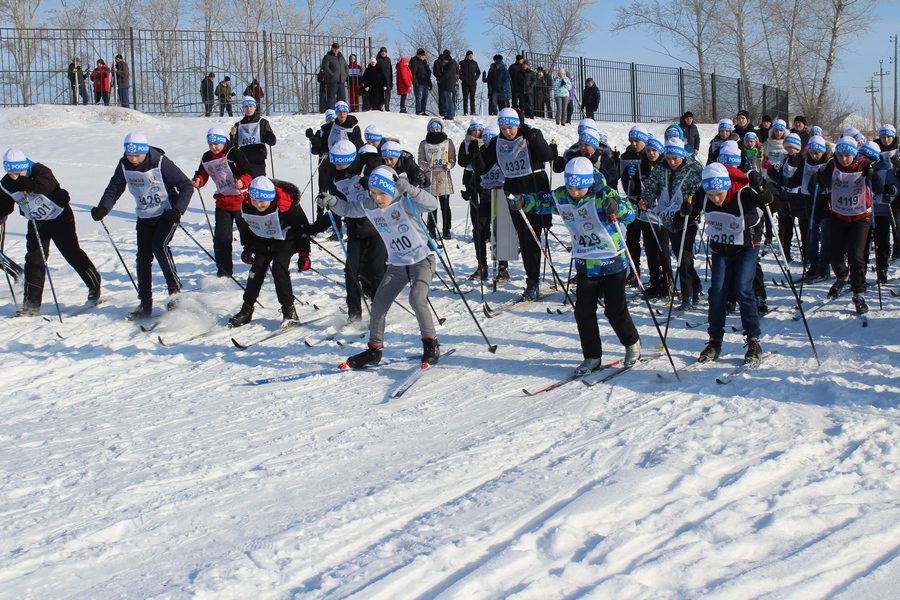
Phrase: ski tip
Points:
(238, 344)
(251, 382)
(527, 393)
(442, 320)
(60, 336)
(307, 343)
(722, 381)
(159, 337)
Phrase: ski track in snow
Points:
(134, 470)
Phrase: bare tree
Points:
(165, 49)
(364, 17)
(514, 26)
(564, 24)
(22, 14)
(439, 26)
(690, 25)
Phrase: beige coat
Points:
(437, 155)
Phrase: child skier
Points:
(231, 172)
(788, 177)
(33, 187)
(252, 134)
(162, 194)
(816, 200)
(395, 208)
(275, 221)
(598, 249)
(437, 155)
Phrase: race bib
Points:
(352, 189)
(401, 238)
(36, 207)
(513, 157)
(149, 191)
(848, 194)
(219, 171)
(248, 133)
(266, 226)
(725, 228)
(590, 239)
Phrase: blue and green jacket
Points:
(543, 203)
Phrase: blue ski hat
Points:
(15, 160)
(792, 141)
(817, 143)
(815, 130)
(508, 117)
(750, 135)
(216, 136)
(368, 149)
(586, 123)
(715, 177)
(871, 151)
(674, 131)
(579, 173)
(262, 189)
(383, 178)
(490, 132)
(726, 124)
(136, 143)
(639, 133)
(604, 137)
(341, 106)
(779, 124)
(476, 123)
(248, 101)
(330, 115)
(435, 126)
(373, 134)
(846, 145)
(342, 153)
(655, 143)
(888, 130)
(591, 137)
(675, 147)
(730, 154)
(391, 150)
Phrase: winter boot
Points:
(588, 365)
(174, 297)
(859, 301)
(754, 351)
(480, 274)
(369, 357)
(632, 354)
(141, 312)
(289, 316)
(882, 275)
(762, 307)
(28, 311)
(631, 280)
(431, 351)
(244, 316)
(531, 292)
(687, 305)
(94, 294)
(837, 288)
(502, 277)
(711, 352)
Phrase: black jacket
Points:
(294, 217)
(40, 181)
(590, 98)
(384, 63)
(445, 73)
(529, 81)
(691, 135)
(207, 90)
(320, 142)
(256, 153)
(421, 72)
(469, 72)
(514, 80)
(178, 186)
(539, 153)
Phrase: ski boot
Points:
(141, 312)
(174, 297)
(480, 274)
(632, 354)
(531, 292)
(369, 357)
(289, 316)
(431, 351)
(28, 311)
(859, 302)
(837, 288)
(244, 316)
(754, 351)
(711, 352)
(502, 277)
(588, 365)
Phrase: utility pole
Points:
(873, 90)
(881, 73)
(895, 77)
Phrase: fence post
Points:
(263, 71)
(634, 109)
(715, 108)
(134, 70)
(681, 92)
(764, 108)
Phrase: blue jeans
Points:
(817, 248)
(741, 268)
(449, 105)
(492, 103)
(123, 98)
(336, 91)
(421, 92)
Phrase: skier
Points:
(41, 200)
(726, 132)
(344, 127)
(734, 213)
(598, 249)
(394, 209)
(251, 134)
(479, 198)
(788, 177)
(437, 155)
(890, 149)
(817, 252)
(162, 194)
(883, 192)
(404, 164)
(231, 172)
(275, 221)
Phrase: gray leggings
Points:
(562, 107)
(419, 277)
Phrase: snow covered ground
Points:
(131, 470)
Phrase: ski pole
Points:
(340, 238)
(561, 243)
(203, 204)
(312, 199)
(40, 248)
(552, 268)
(199, 245)
(5, 266)
(806, 262)
(793, 289)
(646, 300)
(272, 163)
(492, 348)
(677, 276)
(877, 277)
(116, 248)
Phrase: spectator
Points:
(224, 94)
(691, 133)
(77, 82)
(504, 92)
(468, 74)
(375, 85)
(590, 98)
(516, 81)
(421, 74)
(571, 107)
(208, 94)
(385, 64)
(490, 78)
(561, 87)
(123, 80)
(255, 91)
(529, 81)
(545, 84)
(335, 68)
(101, 79)
(354, 82)
(404, 82)
(446, 74)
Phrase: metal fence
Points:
(167, 67)
(642, 93)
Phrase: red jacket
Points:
(857, 167)
(101, 78)
(404, 77)
(222, 201)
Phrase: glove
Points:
(528, 133)
(172, 215)
(895, 160)
(632, 169)
(247, 256)
(465, 195)
(686, 208)
(325, 200)
(98, 212)
(516, 202)
(303, 262)
(765, 197)
(767, 165)
(309, 132)
(890, 190)
(610, 206)
(867, 169)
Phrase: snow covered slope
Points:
(132, 470)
